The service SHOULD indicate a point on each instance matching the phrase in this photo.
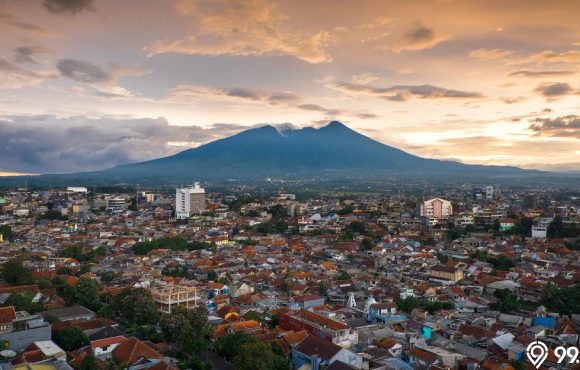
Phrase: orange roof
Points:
(7, 314)
(321, 320)
(132, 350)
(107, 341)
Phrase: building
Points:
(20, 329)
(72, 313)
(116, 204)
(315, 353)
(189, 201)
(436, 208)
(319, 325)
(170, 296)
(445, 273)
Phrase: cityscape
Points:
(275, 185)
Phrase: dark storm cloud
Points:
(552, 91)
(540, 74)
(82, 71)
(68, 6)
(564, 126)
(47, 144)
(25, 54)
(406, 92)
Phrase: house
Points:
(320, 353)
(322, 326)
(20, 329)
(40, 352)
(134, 353)
(102, 348)
(76, 312)
(445, 274)
(378, 311)
(309, 300)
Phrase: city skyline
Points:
(88, 84)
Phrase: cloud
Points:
(405, 92)
(553, 91)
(540, 74)
(14, 22)
(184, 93)
(103, 81)
(367, 115)
(47, 144)
(13, 76)
(246, 28)
(376, 23)
(82, 71)
(416, 38)
(513, 100)
(364, 78)
(570, 56)
(491, 54)
(564, 126)
(25, 54)
(68, 6)
(318, 108)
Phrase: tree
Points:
(6, 232)
(442, 257)
(407, 305)
(89, 363)
(136, 305)
(74, 251)
(343, 276)
(507, 301)
(228, 346)
(23, 302)
(70, 338)
(84, 292)
(188, 329)
(322, 288)
(212, 275)
(13, 272)
(496, 226)
(259, 356)
(366, 244)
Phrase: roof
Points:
(423, 355)
(321, 320)
(7, 314)
(132, 350)
(62, 314)
(313, 345)
(105, 342)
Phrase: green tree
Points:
(407, 305)
(89, 363)
(70, 338)
(259, 356)
(366, 244)
(322, 288)
(507, 301)
(343, 275)
(13, 272)
(84, 292)
(212, 275)
(136, 305)
(74, 251)
(229, 346)
(442, 257)
(23, 302)
(188, 329)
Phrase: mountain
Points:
(333, 151)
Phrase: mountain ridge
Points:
(334, 150)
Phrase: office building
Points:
(189, 201)
(436, 208)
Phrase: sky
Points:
(89, 84)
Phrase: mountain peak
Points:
(335, 125)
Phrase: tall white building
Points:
(436, 208)
(189, 201)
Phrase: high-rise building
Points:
(436, 208)
(189, 201)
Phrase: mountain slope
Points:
(267, 152)
(332, 152)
